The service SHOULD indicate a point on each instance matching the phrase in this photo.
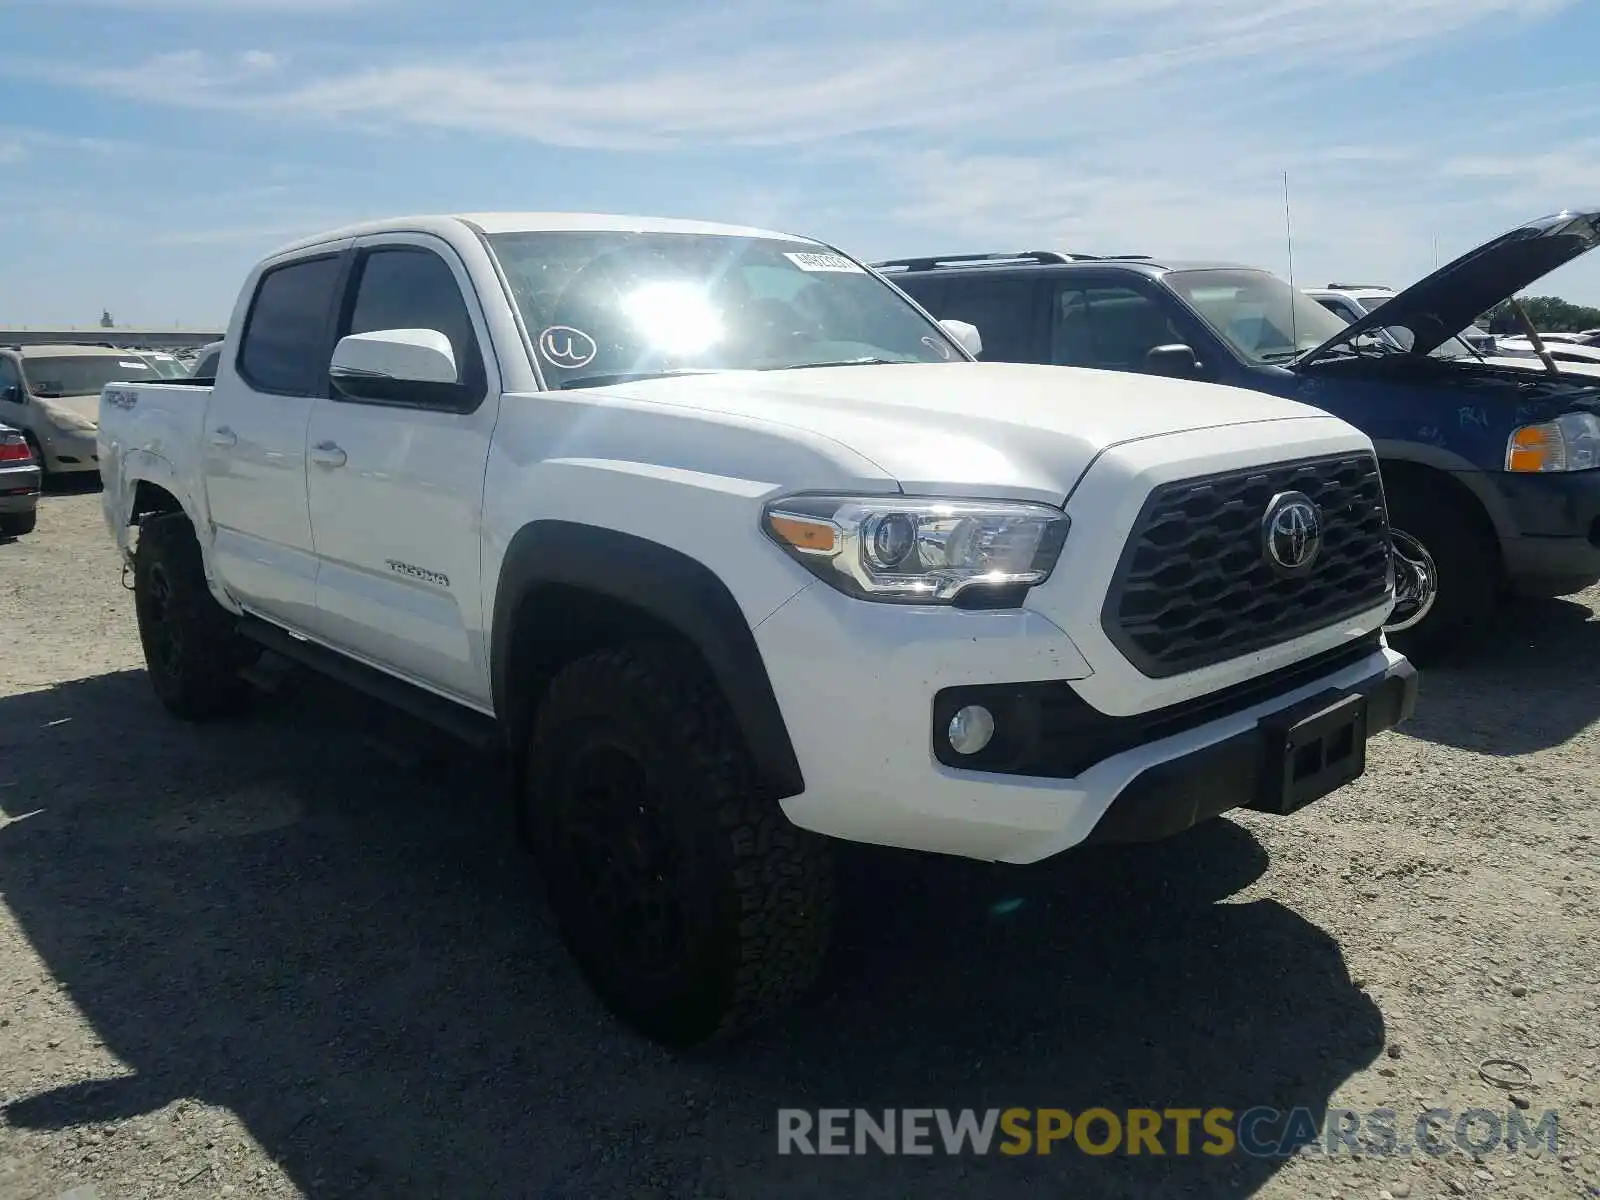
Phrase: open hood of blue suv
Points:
(1439, 306)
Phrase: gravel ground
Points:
(296, 955)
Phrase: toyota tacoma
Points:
(735, 551)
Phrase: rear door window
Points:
(285, 348)
(1005, 310)
(1108, 327)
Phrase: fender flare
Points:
(1468, 475)
(145, 466)
(671, 587)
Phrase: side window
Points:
(1002, 309)
(284, 349)
(927, 292)
(1338, 308)
(1109, 328)
(8, 374)
(412, 288)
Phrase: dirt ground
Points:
(298, 955)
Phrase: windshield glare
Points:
(83, 374)
(608, 304)
(1256, 313)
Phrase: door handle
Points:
(328, 454)
(223, 436)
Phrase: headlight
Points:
(1569, 443)
(970, 553)
(70, 422)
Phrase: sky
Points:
(152, 150)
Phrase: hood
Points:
(988, 429)
(1440, 305)
(83, 406)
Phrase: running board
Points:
(477, 730)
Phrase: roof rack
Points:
(929, 262)
(1359, 287)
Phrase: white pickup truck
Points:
(736, 550)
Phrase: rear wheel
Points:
(17, 524)
(1434, 533)
(692, 905)
(192, 650)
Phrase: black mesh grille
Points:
(1195, 588)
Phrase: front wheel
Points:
(691, 904)
(1436, 539)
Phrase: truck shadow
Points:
(1537, 661)
(314, 921)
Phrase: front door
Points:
(254, 441)
(397, 490)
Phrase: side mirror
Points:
(397, 366)
(11, 393)
(967, 336)
(1175, 359)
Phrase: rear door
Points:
(396, 490)
(254, 452)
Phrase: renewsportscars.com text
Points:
(1259, 1132)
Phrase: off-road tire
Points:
(17, 524)
(753, 893)
(192, 649)
(1468, 566)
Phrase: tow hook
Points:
(1416, 582)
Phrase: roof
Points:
(1145, 264)
(69, 350)
(538, 222)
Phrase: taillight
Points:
(15, 450)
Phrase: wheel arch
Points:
(1407, 465)
(566, 589)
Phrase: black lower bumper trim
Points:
(1245, 771)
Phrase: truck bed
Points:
(161, 426)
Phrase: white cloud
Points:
(779, 76)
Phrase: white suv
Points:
(734, 549)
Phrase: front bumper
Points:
(19, 489)
(1556, 547)
(859, 684)
(68, 452)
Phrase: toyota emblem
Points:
(1291, 533)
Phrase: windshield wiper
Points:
(607, 378)
(868, 361)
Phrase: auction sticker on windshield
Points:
(807, 261)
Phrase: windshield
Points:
(1256, 313)
(606, 306)
(83, 374)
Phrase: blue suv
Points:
(1491, 467)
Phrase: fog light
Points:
(970, 729)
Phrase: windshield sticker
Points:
(567, 347)
(825, 262)
(132, 366)
(942, 349)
